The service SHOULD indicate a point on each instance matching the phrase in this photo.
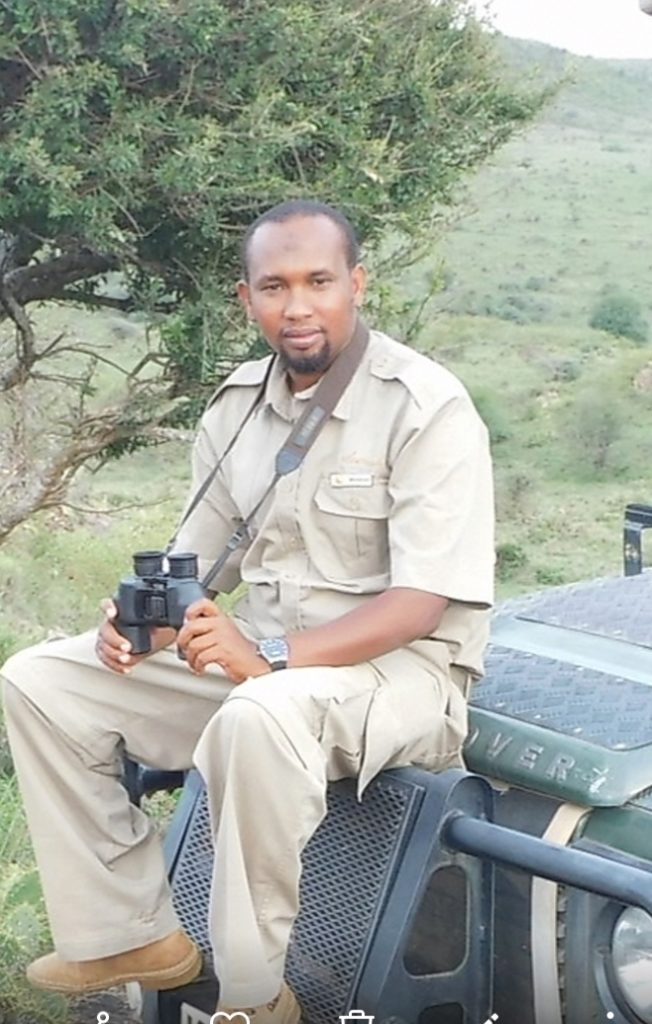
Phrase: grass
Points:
(24, 933)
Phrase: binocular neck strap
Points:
(304, 433)
(201, 490)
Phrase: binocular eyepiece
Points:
(182, 565)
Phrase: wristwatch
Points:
(275, 650)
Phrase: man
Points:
(369, 579)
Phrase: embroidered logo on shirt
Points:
(351, 479)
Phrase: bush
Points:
(518, 309)
(535, 284)
(563, 369)
(509, 558)
(596, 424)
(619, 314)
(548, 577)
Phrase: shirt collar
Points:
(284, 402)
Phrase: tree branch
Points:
(87, 298)
(40, 281)
(27, 341)
(46, 484)
(112, 511)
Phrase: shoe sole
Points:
(183, 973)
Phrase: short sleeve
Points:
(441, 526)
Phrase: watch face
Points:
(274, 650)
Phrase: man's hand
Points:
(114, 650)
(209, 637)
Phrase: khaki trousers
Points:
(266, 750)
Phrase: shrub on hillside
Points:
(562, 369)
(512, 306)
(536, 284)
(619, 314)
(595, 426)
(509, 558)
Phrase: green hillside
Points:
(566, 208)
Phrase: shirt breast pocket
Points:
(352, 522)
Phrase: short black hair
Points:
(303, 208)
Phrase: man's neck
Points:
(302, 381)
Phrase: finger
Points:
(193, 652)
(113, 659)
(199, 660)
(203, 643)
(203, 607)
(109, 608)
(199, 627)
(112, 638)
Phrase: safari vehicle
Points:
(519, 891)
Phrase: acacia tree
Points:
(138, 138)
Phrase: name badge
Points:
(351, 479)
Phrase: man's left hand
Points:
(209, 637)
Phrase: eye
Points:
(273, 286)
(320, 282)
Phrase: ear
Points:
(245, 298)
(359, 282)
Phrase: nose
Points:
(297, 305)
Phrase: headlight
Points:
(631, 949)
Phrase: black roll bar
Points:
(581, 869)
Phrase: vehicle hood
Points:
(565, 707)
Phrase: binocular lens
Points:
(183, 564)
(148, 563)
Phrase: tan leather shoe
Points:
(167, 963)
(283, 1010)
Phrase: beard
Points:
(306, 364)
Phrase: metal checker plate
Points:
(618, 607)
(598, 708)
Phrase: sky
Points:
(596, 28)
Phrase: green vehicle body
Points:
(575, 766)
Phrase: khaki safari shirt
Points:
(396, 491)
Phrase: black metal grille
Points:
(191, 881)
(347, 868)
(607, 710)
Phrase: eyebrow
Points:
(268, 278)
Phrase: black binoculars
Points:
(154, 596)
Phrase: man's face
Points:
(302, 293)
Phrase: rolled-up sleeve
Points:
(441, 525)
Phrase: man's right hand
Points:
(114, 650)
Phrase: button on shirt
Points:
(396, 491)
